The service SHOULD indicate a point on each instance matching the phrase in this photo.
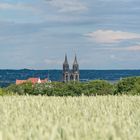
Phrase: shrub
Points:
(128, 85)
(22, 89)
(99, 87)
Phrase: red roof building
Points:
(32, 80)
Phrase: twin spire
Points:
(70, 75)
(66, 60)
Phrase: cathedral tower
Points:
(75, 70)
(66, 71)
(70, 75)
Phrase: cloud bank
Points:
(96, 30)
(110, 36)
(68, 5)
(17, 6)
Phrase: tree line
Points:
(129, 86)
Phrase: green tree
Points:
(99, 87)
(127, 85)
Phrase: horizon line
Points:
(61, 69)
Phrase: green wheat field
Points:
(69, 118)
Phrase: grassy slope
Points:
(78, 118)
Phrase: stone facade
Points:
(70, 75)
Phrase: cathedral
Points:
(70, 75)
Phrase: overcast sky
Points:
(36, 34)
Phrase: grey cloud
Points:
(68, 6)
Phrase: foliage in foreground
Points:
(130, 85)
(69, 118)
